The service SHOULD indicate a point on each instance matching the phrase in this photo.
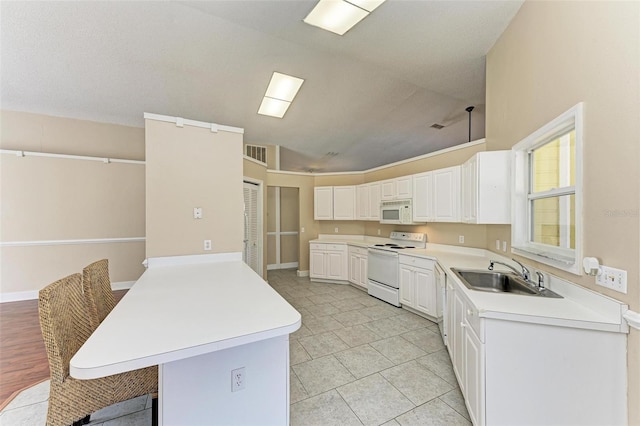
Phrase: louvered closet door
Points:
(251, 248)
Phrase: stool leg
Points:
(154, 412)
(83, 421)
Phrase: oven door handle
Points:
(382, 253)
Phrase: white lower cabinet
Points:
(328, 262)
(517, 373)
(418, 289)
(358, 266)
(466, 351)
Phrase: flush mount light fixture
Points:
(339, 16)
(279, 95)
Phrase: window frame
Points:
(522, 244)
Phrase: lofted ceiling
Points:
(369, 96)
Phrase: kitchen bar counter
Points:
(198, 318)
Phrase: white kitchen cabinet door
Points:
(374, 201)
(470, 190)
(423, 197)
(407, 286)
(363, 207)
(449, 319)
(404, 187)
(457, 348)
(474, 376)
(486, 190)
(337, 267)
(317, 264)
(354, 268)
(426, 294)
(363, 260)
(344, 202)
(388, 190)
(446, 194)
(323, 203)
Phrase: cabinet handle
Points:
(469, 312)
(462, 325)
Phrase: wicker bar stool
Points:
(96, 286)
(65, 327)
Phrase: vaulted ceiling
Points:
(369, 96)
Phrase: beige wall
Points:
(55, 199)
(438, 161)
(552, 56)
(42, 133)
(191, 167)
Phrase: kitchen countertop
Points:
(579, 307)
(177, 311)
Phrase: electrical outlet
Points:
(238, 379)
(197, 212)
(335, 230)
(504, 246)
(497, 244)
(378, 232)
(461, 239)
(207, 244)
(302, 230)
(615, 279)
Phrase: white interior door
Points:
(252, 253)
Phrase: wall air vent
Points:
(256, 152)
(437, 126)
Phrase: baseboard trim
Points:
(33, 294)
(289, 265)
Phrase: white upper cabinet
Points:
(486, 180)
(404, 187)
(397, 189)
(423, 197)
(374, 201)
(334, 202)
(344, 202)
(368, 201)
(323, 203)
(388, 189)
(446, 194)
(363, 208)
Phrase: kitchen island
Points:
(200, 318)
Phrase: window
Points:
(547, 193)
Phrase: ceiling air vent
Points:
(437, 126)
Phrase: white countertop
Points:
(179, 311)
(579, 307)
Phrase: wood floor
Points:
(23, 360)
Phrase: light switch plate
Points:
(615, 279)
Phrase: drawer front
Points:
(358, 250)
(325, 247)
(418, 262)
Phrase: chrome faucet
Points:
(524, 273)
(540, 280)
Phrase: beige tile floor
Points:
(356, 360)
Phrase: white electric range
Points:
(383, 271)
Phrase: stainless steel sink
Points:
(500, 282)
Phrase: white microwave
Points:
(397, 212)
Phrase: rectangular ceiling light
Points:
(339, 16)
(279, 95)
